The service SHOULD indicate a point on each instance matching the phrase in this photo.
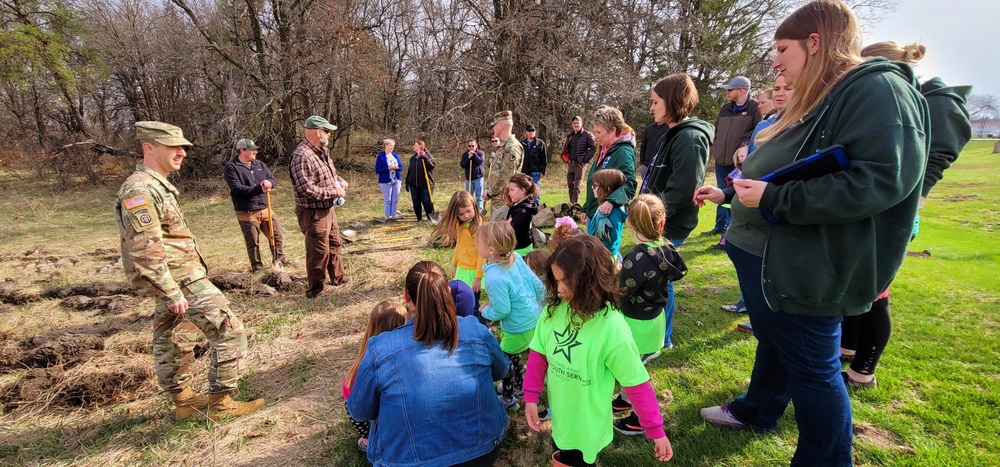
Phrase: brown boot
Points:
(187, 403)
(223, 406)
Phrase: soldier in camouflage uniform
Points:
(504, 162)
(162, 261)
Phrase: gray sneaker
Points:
(719, 415)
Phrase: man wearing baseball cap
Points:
(536, 156)
(736, 120)
(161, 260)
(249, 182)
(318, 189)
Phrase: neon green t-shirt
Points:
(584, 362)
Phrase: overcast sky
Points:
(960, 36)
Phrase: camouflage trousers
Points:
(175, 335)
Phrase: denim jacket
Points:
(430, 408)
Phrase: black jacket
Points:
(520, 216)
(581, 146)
(244, 184)
(650, 137)
(415, 175)
(475, 160)
(536, 158)
(644, 275)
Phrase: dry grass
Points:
(299, 349)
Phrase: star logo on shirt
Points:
(565, 341)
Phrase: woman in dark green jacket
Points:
(617, 152)
(839, 237)
(677, 167)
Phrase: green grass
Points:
(939, 379)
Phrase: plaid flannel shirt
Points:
(313, 176)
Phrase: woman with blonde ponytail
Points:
(866, 336)
(837, 241)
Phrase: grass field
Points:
(936, 403)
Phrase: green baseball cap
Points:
(316, 122)
(246, 143)
(163, 133)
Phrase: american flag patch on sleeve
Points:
(135, 202)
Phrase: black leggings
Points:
(572, 457)
(514, 380)
(421, 197)
(485, 460)
(867, 335)
(362, 427)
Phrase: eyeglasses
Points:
(494, 141)
(472, 145)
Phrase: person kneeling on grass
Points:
(435, 368)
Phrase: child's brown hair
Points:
(447, 230)
(386, 316)
(498, 235)
(606, 181)
(589, 271)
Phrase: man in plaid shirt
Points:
(318, 189)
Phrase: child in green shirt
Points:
(581, 346)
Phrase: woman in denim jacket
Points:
(428, 385)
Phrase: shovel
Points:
(276, 266)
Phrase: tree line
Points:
(76, 74)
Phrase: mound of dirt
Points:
(228, 279)
(14, 294)
(109, 380)
(97, 289)
(111, 304)
(66, 351)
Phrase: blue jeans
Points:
(536, 178)
(390, 196)
(476, 190)
(798, 360)
(668, 310)
(723, 217)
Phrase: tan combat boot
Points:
(187, 403)
(222, 406)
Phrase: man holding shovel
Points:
(250, 184)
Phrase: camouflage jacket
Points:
(506, 161)
(159, 252)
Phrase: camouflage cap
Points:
(246, 143)
(505, 115)
(163, 133)
(316, 122)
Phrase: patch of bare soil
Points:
(959, 198)
(884, 439)
(919, 254)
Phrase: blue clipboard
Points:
(825, 161)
